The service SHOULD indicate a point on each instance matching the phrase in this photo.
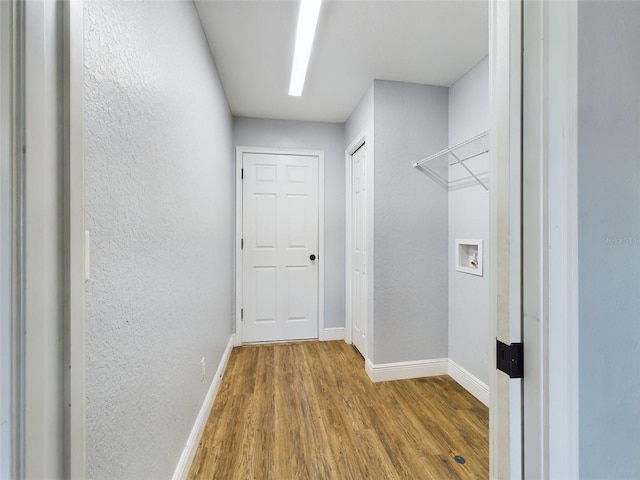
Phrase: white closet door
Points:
(358, 252)
(280, 231)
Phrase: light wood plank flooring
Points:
(308, 411)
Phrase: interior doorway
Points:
(279, 245)
(357, 247)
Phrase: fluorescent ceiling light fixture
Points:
(307, 21)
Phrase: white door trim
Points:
(351, 149)
(505, 55)
(53, 437)
(551, 435)
(240, 151)
(550, 273)
(535, 245)
(561, 62)
(7, 337)
(75, 356)
(360, 139)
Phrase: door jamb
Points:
(558, 453)
(561, 62)
(535, 243)
(505, 56)
(240, 151)
(61, 429)
(78, 262)
(9, 420)
(551, 328)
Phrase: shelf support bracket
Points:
(461, 162)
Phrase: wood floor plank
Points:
(308, 410)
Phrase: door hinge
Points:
(510, 359)
(241, 314)
(242, 173)
(241, 243)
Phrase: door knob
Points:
(312, 257)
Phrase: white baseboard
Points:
(403, 370)
(189, 452)
(336, 333)
(429, 368)
(469, 382)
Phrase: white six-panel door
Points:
(280, 247)
(358, 251)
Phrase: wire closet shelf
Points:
(457, 154)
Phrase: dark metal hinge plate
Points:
(510, 359)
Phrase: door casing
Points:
(560, 59)
(505, 194)
(358, 142)
(544, 172)
(550, 253)
(7, 340)
(48, 240)
(240, 151)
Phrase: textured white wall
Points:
(410, 318)
(609, 238)
(329, 137)
(469, 323)
(159, 206)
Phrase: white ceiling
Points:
(427, 41)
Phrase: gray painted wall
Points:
(255, 132)
(410, 249)
(469, 322)
(609, 238)
(159, 206)
(361, 119)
